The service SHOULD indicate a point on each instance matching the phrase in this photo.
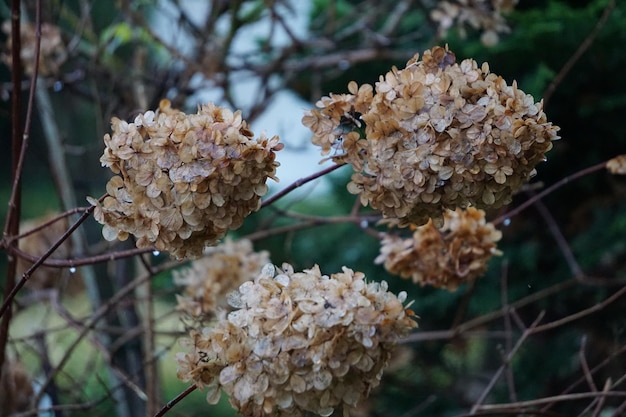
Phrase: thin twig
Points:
(356, 206)
(262, 234)
(47, 223)
(500, 413)
(488, 317)
(68, 263)
(100, 345)
(517, 210)
(463, 303)
(584, 365)
(566, 250)
(9, 298)
(558, 398)
(592, 371)
(602, 399)
(150, 366)
(418, 408)
(508, 328)
(584, 46)
(505, 363)
(175, 401)
(619, 411)
(299, 183)
(599, 401)
(90, 324)
(66, 407)
(583, 313)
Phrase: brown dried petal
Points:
(202, 174)
(321, 361)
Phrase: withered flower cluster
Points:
(37, 243)
(617, 165)
(435, 135)
(16, 388)
(446, 257)
(481, 15)
(221, 270)
(183, 180)
(52, 51)
(298, 342)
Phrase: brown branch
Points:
(602, 399)
(66, 407)
(558, 398)
(150, 365)
(565, 248)
(517, 210)
(89, 324)
(505, 363)
(19, 144)
(299, 183)
(68, 263)
(175, 401)
(47, 223)
(308, 221)
(98, 345)
(486, 318)
(592, 371)
(583, 313)
(584, 365)
(6, 304)
(579, 52)
(508, 328)
(515, 413)
(619, 411)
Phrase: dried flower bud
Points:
(481, 15)
(221, 270)
(617, 165)
(445, 258)
(52, 52)
(299, 342)
(436, 135)
(183, 180)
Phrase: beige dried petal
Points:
(456, 253)
(319, 362)
(470, 139)
(617, 165)
(202, 174)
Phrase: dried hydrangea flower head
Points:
(36, 244)
(16, 385)
(210, 279)
(183, 180)
(298, 343)
(482, 15)
(435, 135)
(617, 165)
(446, 257)
(52, 51)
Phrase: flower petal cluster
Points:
(446, 257)
(298, 342)
(483, 15)
(52, 50)
(435, 135)
(183, 180)
(617, 165)
(221, 270)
